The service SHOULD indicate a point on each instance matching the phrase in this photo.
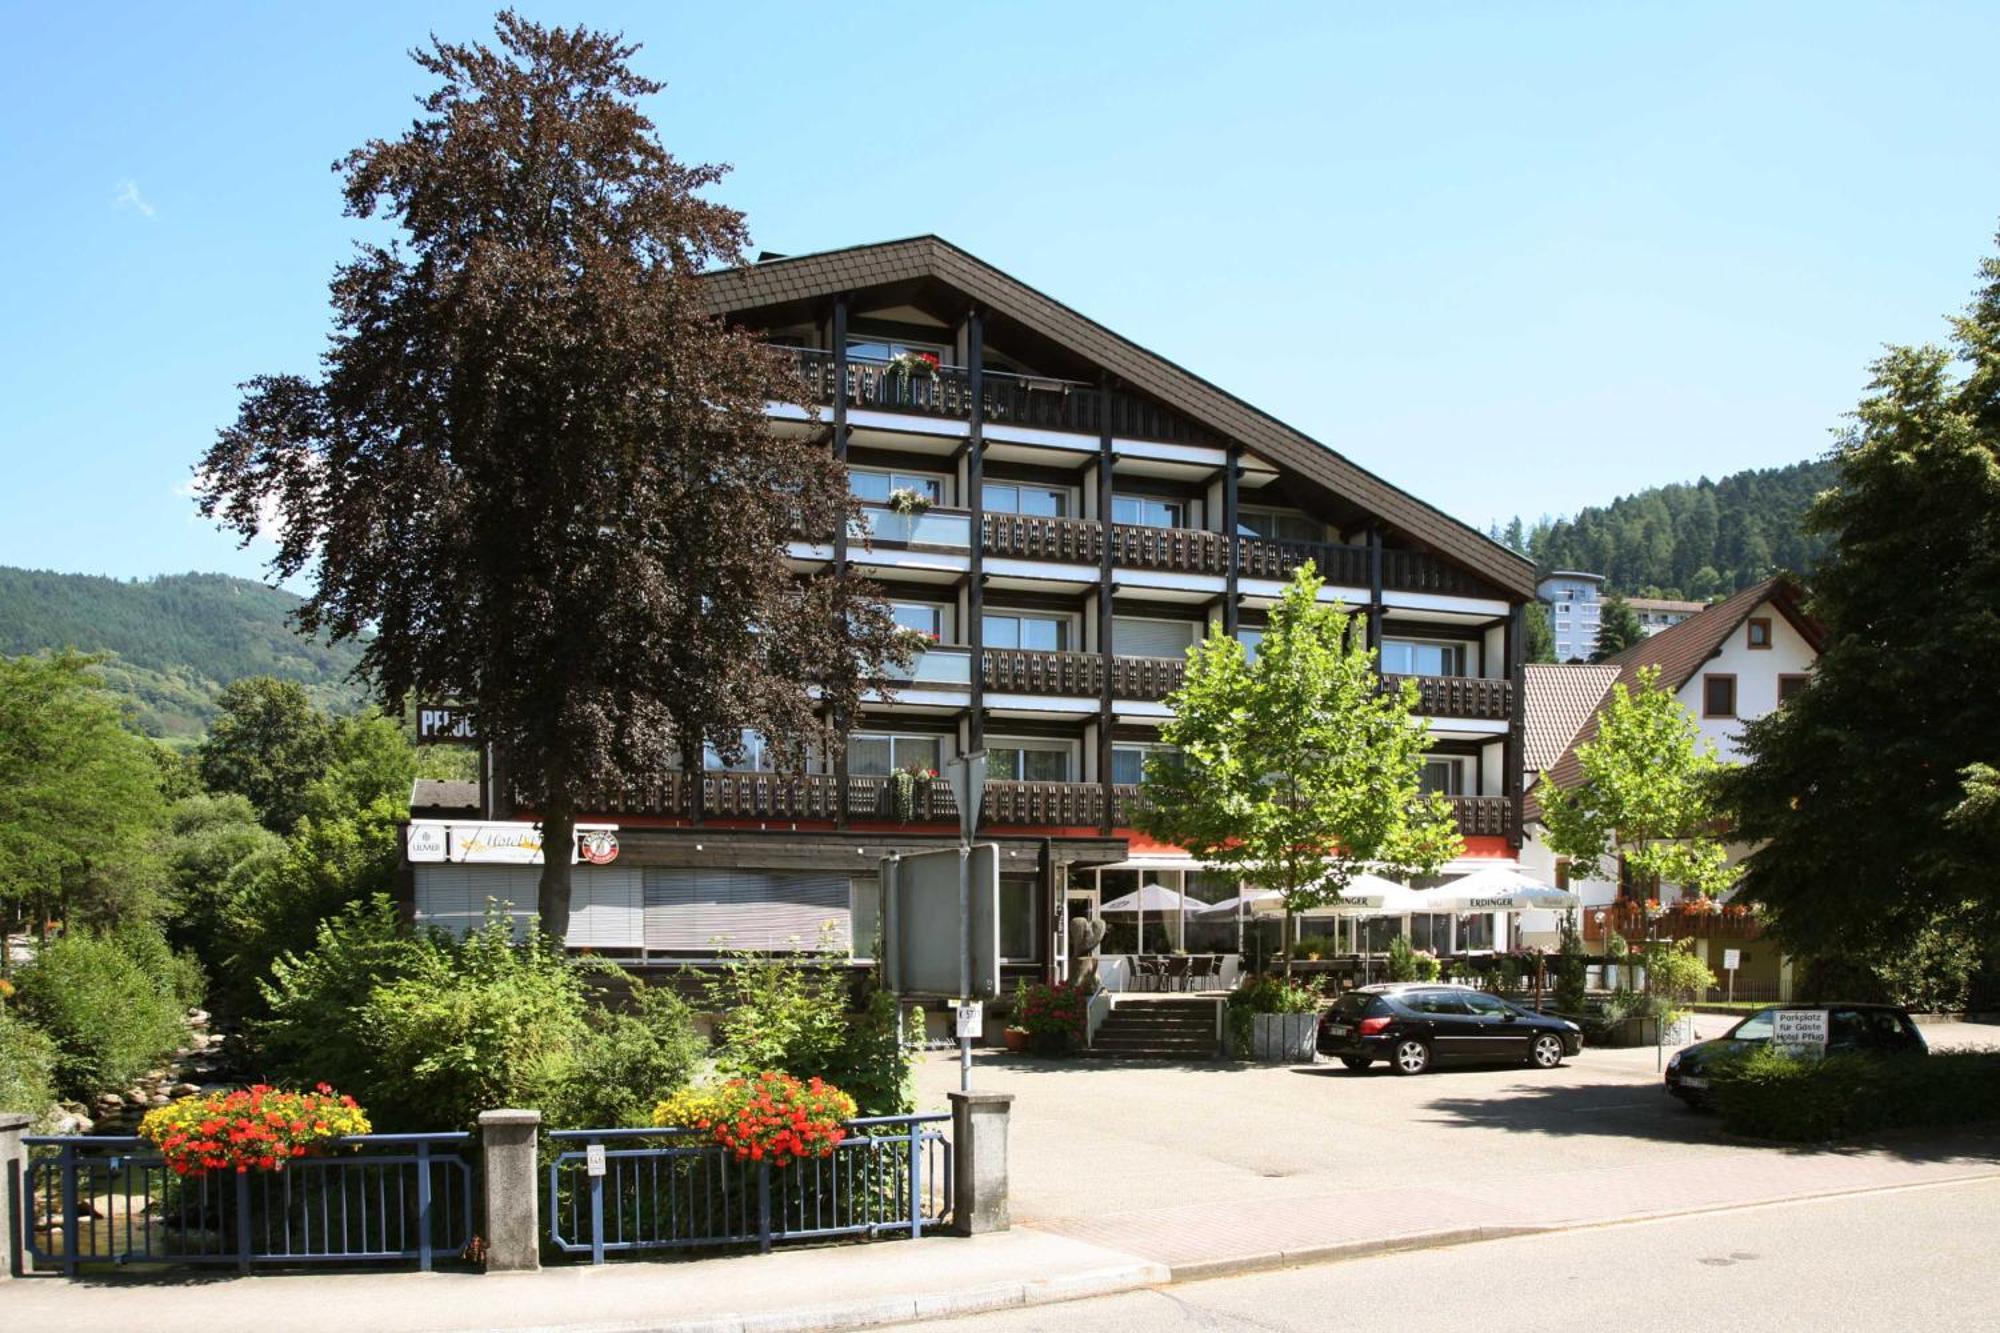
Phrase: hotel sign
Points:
(499, 843)
(445, 723)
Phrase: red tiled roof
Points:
(1678, 651)
(817, 276)
(1559, 700)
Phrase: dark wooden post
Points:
(1231, 472)
(975, 483)
(1515, 656)
(1104, 465)
(840, 387)
(1375, 592)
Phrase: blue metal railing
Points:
(104, 1199)
(667, 1189)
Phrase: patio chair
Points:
(1203, 971)
(1177, 972)
(1146, 973)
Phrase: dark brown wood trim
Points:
(840, 721)
(1104, 493)
(1750, 629)
(1718, 676)
(975, 501)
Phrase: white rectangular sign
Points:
(593, 1159)
(971, 1019)
(487, 842)
(1800, 1030)
(1732, 959)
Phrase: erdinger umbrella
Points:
(1372, 895)
(1498, 889)
(1152, 898)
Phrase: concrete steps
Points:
(1162, 1029)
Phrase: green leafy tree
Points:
(1540, 633)
(1646, 797)
(535, 465)
(1618, 628)
(79, 797)
(1871, 797)
(268, 744)
(1297, 770)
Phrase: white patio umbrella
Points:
(1152, 898)
(1251, 901)
(1372, 895)
(1497, 889)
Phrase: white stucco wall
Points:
(1756, 671)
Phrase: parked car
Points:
(1864, 1029)
(1414, 1025)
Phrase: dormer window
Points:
(1758, 631)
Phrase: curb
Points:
(1009, 1295)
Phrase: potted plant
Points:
(909, 501)
(908, 787)
(258, 1128)
(1273, 1020)
(1015, 1037)
(1053, 1017)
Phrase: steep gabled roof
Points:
(1560, 699)
(830, 272)
(1679, 651)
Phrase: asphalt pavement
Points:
(1913, 1258)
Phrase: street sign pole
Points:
(968, 786)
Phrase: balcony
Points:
(1628, 919)
(1080, 675)
(950, 668)
(950, 529)
(1022, 400)
(812, 797)
(1461, 696)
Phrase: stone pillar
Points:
(13, 1193)
(513, 1194)
(979, 1161)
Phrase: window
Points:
(1128, 761)
(1028, 761)
(925, 618)
(1485, 1006)
(1475, 930)
(1146, 512)
(756, 757)
(1252, 640)
(1718, 695)
(1789, 685)
(1444, 776)
(1135, 636)
(864, 912)
(1431, 931)
(1562, 608)
(1757, 1027)
(1045, 633)
(864, 348)
(1279, 525)
(1758, 631)
(1017, 920)
(875, 484)
(878, 755)
(1018, 498)
(1422, 657)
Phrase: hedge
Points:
(1773, 1096)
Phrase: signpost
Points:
(1731, 960)
(1799, 1031)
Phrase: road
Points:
(1914, 1258)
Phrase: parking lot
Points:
(1177, 1157)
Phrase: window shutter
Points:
(454, 898)
(606, 907)
(1151, 638)
(698, 911)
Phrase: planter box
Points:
(1283, 1038)
(1638, 1030)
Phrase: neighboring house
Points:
(1656, 613)
(1092, 509)
(1575, 611)
(1728, 664)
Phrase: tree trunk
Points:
(1286, 940)
(553, 894)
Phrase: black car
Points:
(1415, 1024)
(1864, 1029)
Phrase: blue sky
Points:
(1513, 258)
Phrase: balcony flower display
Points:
(771, 1118)
(909, 501)
(907, 785)
(258, 1128)
(913, 365)
(916, 640)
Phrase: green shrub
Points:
(1264, 995)
(317, 999)
(776, 1012)
(27, 1066)
(109, 1020)
(1676, 976)
(1770, 1095)
(1315, 946)
(1402, 960)
(627, 1062)
(175, 973)
(1570, 965)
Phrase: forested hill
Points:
(178, 639)
(1695, 540)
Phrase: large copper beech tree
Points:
(534, 472)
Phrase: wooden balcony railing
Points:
(1025, 400)
(1461, 696)
(1146, 677)
(1481, 816)
(1060, 541)
(1028, 671)
(1628, 918)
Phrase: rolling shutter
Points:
(698, 911)
(1131, 637)
(455, 898)
(606, 907)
